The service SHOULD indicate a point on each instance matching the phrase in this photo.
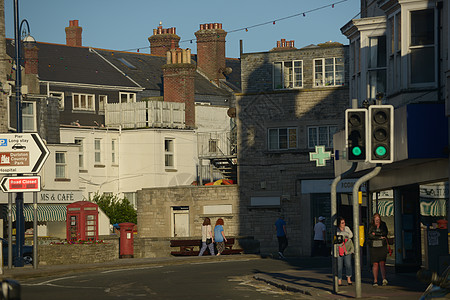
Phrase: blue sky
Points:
(125, 25)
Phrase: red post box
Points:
(82, 221)
(126, 240)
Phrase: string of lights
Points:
(246, 28)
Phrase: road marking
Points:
(216, 262)
(131, 269)
(49, 281)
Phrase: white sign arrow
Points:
(22, 153)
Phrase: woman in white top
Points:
(345, 251)
(207, 237)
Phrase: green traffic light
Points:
(380, 151)
(356, 151)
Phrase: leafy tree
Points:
(118, 210)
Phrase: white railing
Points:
(145, 114)
(214, 144)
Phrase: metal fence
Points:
(214, 144)
(145, 114)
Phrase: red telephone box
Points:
(82, 221)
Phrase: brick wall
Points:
(73, 34)
(162, 40)
(179, 87)
(211, 50)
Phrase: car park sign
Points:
(22, 153)
(21, 184)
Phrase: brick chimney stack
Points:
(31, 58)
(211, 50)
(284, 45)
(73, 34)
(162, 40)
(179, 76)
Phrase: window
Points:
(376, 79)
(60, 158)
(98, 151)
(321, 136)
(169, 153)
(60, 97)
(79, 142)
(329, 71)
(282, 138)
(394, 66)
(102, 100)
(213, 146)
(131, 196)
(422, 46)
(28, 116)
(113, 151)
(288, 74)
(83, 101)
(127, 97)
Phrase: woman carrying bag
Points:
(207, 237)
(346, 249)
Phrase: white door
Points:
(181, 224)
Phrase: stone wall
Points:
(278, 174)
(155, 209)
(65, 254)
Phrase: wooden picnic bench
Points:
(192, 247)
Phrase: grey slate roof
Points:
(70, 64)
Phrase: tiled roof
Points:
(62, 63)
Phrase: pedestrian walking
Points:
(280, 227)
(219, 236)
(207, 237)
(346, 249)
(378, 250)
(320, 231)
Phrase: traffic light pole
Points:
(334, 218)
(356, 187)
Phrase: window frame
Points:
(330, 134)
(62, 165)
(31, 116)
(282, 74)
(114, 151)
(80, 142)
(323, 72)
(169, 153)
(130, 97)
(79, 107)
(102, 100)
(415, 48)
(378, 70)
(278, 138)
(98, 159)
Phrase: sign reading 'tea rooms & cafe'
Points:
(22, 153)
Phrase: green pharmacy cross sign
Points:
(320, 156)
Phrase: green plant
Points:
(118, 210)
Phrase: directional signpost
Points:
(21, 184)
(22, 153)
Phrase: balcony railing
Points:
(145, 114)
(215, 144)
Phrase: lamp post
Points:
(20, 220)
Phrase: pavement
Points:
(310, 277)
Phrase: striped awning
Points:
(428, 207)
(45, 212)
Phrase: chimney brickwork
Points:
(73, 34)
(211, 50)
(31, 58)
(179, 75)
(284, 45)
(162, 40)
